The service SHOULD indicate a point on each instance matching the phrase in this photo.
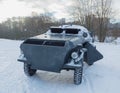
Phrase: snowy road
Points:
(102, 77)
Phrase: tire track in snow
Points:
(88, 85)
(86, 80)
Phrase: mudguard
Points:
(92, 55)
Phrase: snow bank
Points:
(102, 77)
(117, 41)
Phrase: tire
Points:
(78, 76)
(28, 71)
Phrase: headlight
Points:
(85, 34)
(74, 55)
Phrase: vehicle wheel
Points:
(78, 76)
(28, 71)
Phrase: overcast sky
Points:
(10, 8)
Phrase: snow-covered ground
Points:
(102, 77)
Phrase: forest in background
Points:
(94, 15)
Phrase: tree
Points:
(83, 12)
(103, 13)
(24, 27)
(93, 14)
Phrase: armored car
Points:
(64, 47)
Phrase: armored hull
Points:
(56, 51)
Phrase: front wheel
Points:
(28, 71)
(78, 75)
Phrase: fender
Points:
(92, 54)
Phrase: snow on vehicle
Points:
(64, 47)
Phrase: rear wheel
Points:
(28, 71)
(78, 75)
